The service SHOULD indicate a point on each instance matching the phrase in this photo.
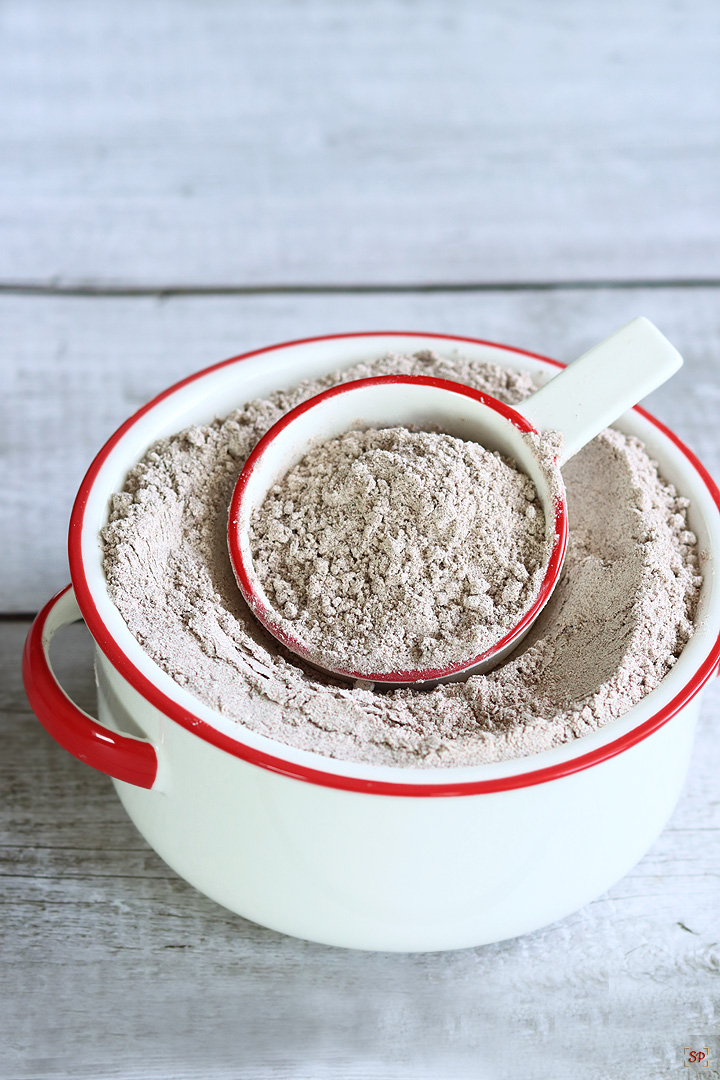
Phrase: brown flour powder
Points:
(400, 550)
(618, 620)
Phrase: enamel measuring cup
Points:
(586, 397)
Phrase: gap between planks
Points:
(11, 288)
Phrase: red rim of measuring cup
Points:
(265, 615)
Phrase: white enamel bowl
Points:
(355, 855)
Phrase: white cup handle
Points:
(602, 384)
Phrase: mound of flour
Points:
(399, 550)
(617, 621)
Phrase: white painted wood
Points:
(75, 368)
(245, 144)
(113, 967)
(250, 143)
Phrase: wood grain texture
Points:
(245, 143)
(114, 967)
(77, 367)
(120, 969)
(146, 146)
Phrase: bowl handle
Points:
(121, 756)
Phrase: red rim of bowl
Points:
(265, 614)
(192, 723)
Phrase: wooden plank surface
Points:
(78, 367)
(251, 144)
(114, 967)
(219, 148)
